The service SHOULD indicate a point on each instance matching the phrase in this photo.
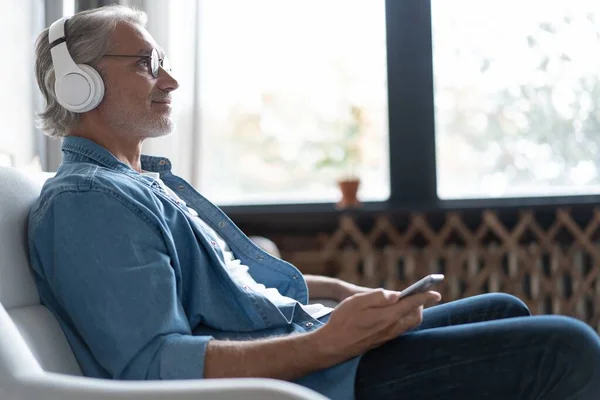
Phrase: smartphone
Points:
(423, 285)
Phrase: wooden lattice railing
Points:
(550, 273)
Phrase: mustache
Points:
(161, 97)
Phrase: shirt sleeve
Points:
(107, 265)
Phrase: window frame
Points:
(413, 177)
(411, 118)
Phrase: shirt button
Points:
(295, 276)
(213, 242)
(162, 162)
(308, 324)
(222, 224)
(180, 187)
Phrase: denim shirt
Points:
(139, 288)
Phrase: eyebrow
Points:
(147, 51)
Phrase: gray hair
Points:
(88, 37)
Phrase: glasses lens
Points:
(166, 64)
(154, 63)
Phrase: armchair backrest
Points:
(30, 336)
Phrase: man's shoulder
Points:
(84, 177)
(88, 182)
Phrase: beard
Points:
(138, 118)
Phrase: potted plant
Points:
(342, 152)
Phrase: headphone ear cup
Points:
(96, 85)
(80, 91)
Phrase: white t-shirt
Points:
(237, 270)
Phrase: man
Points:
(149, 280)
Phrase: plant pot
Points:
(349, 190)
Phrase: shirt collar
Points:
(76, 148)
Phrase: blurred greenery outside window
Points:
(517, 91)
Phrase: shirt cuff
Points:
(182, 357)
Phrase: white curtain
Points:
(20, 23)
(166, 19)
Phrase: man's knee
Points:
(513, 306)
(579, 347)
(576, 334)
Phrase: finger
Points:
(434, 300)
(419, 299)
(401, 325)
(408, 304)
(378, 298)
(408, 322)
(387, 314)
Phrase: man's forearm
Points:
(286, 358)
(323, 287)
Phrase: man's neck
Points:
(127, 150)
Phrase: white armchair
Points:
(36, 361)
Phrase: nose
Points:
(166, 81)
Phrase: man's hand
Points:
(358, 324)
(369, 319)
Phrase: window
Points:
(68, 7)
(17, 136)
(293, 96)
(21, 144)
(517, 89)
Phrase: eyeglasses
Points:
(153, 61)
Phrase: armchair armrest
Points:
(267, 245)
(326, 302)
(50, 386)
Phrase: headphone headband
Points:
(57, 29)
(63, 63)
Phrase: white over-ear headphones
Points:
(78, 87)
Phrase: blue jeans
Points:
(485, 347)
